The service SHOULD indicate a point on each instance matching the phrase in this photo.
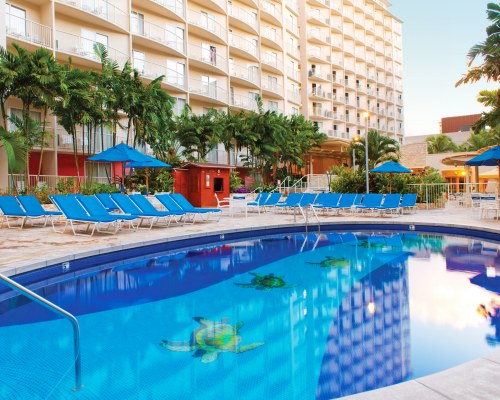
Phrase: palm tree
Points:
(489, 69)
(15, 149)
(480, 140)
(380, 149)
(440, 144)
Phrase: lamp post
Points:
(355, 140)
(367, 117)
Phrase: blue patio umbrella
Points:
(391, 167)
(150, 163)
(490, 157)
(120, 153)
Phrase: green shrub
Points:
(42, 193)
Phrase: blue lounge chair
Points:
(95, 209)
(189, 208)
(272, 200)
(77, 215)
(146, 207)
(32, 206)
(290, 201)
(370, 202)
(107, 202)
(390, 205)
(408, 202)
(326, 201)
(129, 207)
(171, 205)
(259, 201)
(12, 210)
(346, 202)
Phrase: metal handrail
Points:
(58, 310)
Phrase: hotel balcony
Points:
(293, 5)
(172, 80)
(293, 96)
(349, 32)
(349, 67)
(207, 60)
(65, 140)
(96, 12)
(317, 56)
(244, 20)
(319, 76)
(293, 51)
(172, 9)
(245, 76)
(26, 31)
(242, 47)
(336, 27)
(320, 3)
(292, 28)
(320, 113)
(206, 28)
(82, 49)
(320, 94)
(316, 17)
(349, 49)
(243, 102)
(271, 12)
(336, 8)
(208, 93)
(338, 99)
(338, 81)
(272, 38)
(156, 37)
(272, 64)
(337, 44)
(318, 37)
(337, 62)
(271, 89)
(338, 117)
(214, 5)
(293, 74)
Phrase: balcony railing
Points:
(241, 43)
(245, 102)
(102, 9)
(176, 6)
(294, 96)
(318, 74)
(320, 93)
(273, 35)
(272, 87)
(318, 16)
(209, 24)
(243, 15)
(28, 31)
(273, 62)
(319, 112)
(211, 90)
(207, 56)
(318, 35)
(293, 51)
(294, 28)
(82, 47)
(271, 9)
(249, 74)
(152, 70)
(293, 73)
(159, 34)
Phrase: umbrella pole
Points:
(147, 181)
(498, 180)
(123, 178)
(390, 183)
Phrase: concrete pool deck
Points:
(36, 247)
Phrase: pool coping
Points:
(476, 379)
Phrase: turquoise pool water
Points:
(285, 317)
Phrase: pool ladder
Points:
(305, 215)
(58, 310)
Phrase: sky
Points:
(437, 35)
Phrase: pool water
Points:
(285, 317)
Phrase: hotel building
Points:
(333, 61)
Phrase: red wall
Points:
(454, 124)
(66, 165)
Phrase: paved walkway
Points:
(31, 248)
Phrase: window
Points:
(208, 21)
(272, 82)
(15, 20)
(272, 58)
(174, 37)
(137, 23)
(272, 105)
(34, 115)
(179, 105)
(176, 72)
(139, 58)
(89, 38)
(253, 73)
(218, 184)
(295, 111)
(209, 54)
(209, 86)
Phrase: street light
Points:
(367, 117)
(355, 140)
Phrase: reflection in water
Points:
(491, 313)
(368, 341)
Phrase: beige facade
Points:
(330, 60)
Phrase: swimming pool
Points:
(291, 316)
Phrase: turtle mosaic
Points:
(331, 262)
(210, 339)
(265, 282)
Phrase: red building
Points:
(459, 123)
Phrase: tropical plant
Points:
(15, 149)
(235, 181)
(489, 52)
(380, 149)
(481, 139)
(440, 144)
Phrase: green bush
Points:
(235, 181)
(42, 193)
(66, 185)
(96, 187)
